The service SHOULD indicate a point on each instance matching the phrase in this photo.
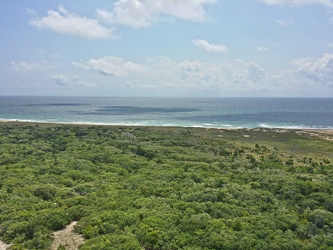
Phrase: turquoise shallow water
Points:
(314, 113)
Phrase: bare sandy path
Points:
(67, 238)
(3, 245)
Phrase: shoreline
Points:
(322, 133)
(295, 128)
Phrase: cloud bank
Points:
(65, 22)
(325, 3)
(143, 13)
(237, 76)
(319, 70)
(163, 72)
(111, 65)
(71, 81)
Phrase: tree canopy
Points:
(165, 188)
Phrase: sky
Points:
(181, 48)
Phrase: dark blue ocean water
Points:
(188, 112)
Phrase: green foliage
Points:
(165, 188)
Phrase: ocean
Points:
(293, 113)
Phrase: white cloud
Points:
(111, 65)
(31, 12)
(22, 66)
(261, 49)
(318, 70)
(65, 22)
(325, 3)
(142, 13)
(71, 81)
(210, 47)
(282, 23)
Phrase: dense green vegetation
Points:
(165, 188)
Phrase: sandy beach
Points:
(326, 134)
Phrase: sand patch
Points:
(326, 134)
(3, 245)
(67, 238)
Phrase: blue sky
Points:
(167, 48)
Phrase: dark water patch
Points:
(54, 104)
(132, 110)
